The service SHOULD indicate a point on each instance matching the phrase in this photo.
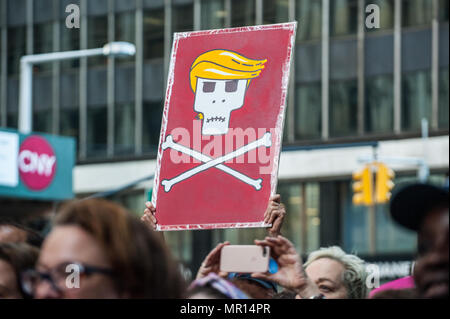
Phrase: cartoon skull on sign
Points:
(219, 79)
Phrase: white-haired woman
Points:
(328, 273)
(337, 274)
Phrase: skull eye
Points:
(209, 87)
(231, 86)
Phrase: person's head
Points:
(14, 232)
(15, 258)
(214, 287)
(337, 275)
(425, 210)
(107, 252)
(255, 288)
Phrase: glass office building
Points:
(351, 84)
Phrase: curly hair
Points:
(354, 275)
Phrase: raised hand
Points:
(290, 274)
(274, 215)
(212, 263)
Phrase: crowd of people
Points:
(118, 255)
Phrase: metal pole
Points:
(424, 170)
(26, 85)
(372, 211)
(26, 92)
(372, 230)
(325, 67)
(397, 66)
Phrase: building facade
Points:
(354, 91)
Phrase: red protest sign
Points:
(222, 127)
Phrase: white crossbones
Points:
(266, 141)
(169, 143)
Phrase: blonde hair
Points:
(354, 276)
(224, 65)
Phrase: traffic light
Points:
(363, 187)
(384, 183)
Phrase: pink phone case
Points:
(244, 259)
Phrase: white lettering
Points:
(31, 162)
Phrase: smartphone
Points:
(244, 259)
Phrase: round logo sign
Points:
(37, 163)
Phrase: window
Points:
(12, 119)
(242, 13)
(379, 86)
(443, 10)
(417, 12)
(416, 99)
(16, 48)
(96, 131)
(180, 244)
(42, 121)
(213, 14)
(124, 128)
(308, 110)
(302, 222)
(386, 14)
(16, 11)
(43, 43)
(43, 11)
(343, 108)
(69, 123)
(443, 99)
(343, 105)
(309, 17)
(182, 17)
(42, 103)
(69, 95)
(151, 126)
(308, 67)
(69, 41)
(379, 104)
(97, 37)
(154, 33)
(275, 11)
(343, 17)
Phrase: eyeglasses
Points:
(58, 276)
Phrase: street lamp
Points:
(112, 49)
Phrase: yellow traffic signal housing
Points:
(384, 183)
(363, 187)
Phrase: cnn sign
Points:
(37, 163)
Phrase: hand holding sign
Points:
(274, 215)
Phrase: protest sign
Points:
(222, 127)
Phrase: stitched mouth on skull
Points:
(216, 119)
(216, 100)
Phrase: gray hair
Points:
(354, 276)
